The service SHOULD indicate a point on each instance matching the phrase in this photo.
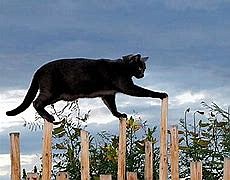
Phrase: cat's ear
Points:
(135, 58)
(127, 57)
(144, 59)
(131, 58)
(138, 56)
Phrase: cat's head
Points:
(136, 63)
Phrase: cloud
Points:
(27, 162)
(5, 164)
(9, 100)
(189, 97)
(12, 95)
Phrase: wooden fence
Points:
(196, 167)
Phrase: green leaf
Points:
(180, 132)
(60, 146)
(58, 130)
(60, 135)
(185, 148)
(181, 139)
(203, 143)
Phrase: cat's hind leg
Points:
(40, 103)
(109, 101)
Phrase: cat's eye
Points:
(140, 69)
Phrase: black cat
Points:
(69, 79)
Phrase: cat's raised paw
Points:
(50, 119)
(163, 95)
(122, 116)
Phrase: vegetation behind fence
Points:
(182, 142)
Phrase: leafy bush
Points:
(206, 141)
(103, 148)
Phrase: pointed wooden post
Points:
(32, 176)
(122, 150)
(226, 168)
(174, 151)
(105, 177)
(84, 155)
(47, 151)
(131, 176)
(196, 170)
(148, 160)
(62, 176)
(15, 156)
(163, 174)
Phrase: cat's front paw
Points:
(50, 119)
(163, 95)
(122, 116)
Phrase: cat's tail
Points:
(31, 94)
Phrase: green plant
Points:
(104, 150)
(66, 135)
(206, 140)
(210, 144)
(103, 147)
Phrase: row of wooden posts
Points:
(196, 167)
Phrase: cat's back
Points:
(77, 65)
(60, 63)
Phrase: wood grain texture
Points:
(148, 160)
(174, 153)
(163, 141)
(122, 150)
(15, 156)
(84, 155)
(47, 151)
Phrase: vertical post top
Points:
(14, 133)
(174, 126)
(84, 134)
(122, 118)
(163, 172)
(165, 99)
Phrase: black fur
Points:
(69, 79)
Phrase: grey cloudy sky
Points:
(188, 44)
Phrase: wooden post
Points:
(15, 156)
(163, 174)
(32, 176)
(47, 151)
(226, 168)
(105, 177)
(148, 160)
(196, 170)
(62, 176)
(132, 176)
(174, 151)
(122, 150)
(84, 155)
